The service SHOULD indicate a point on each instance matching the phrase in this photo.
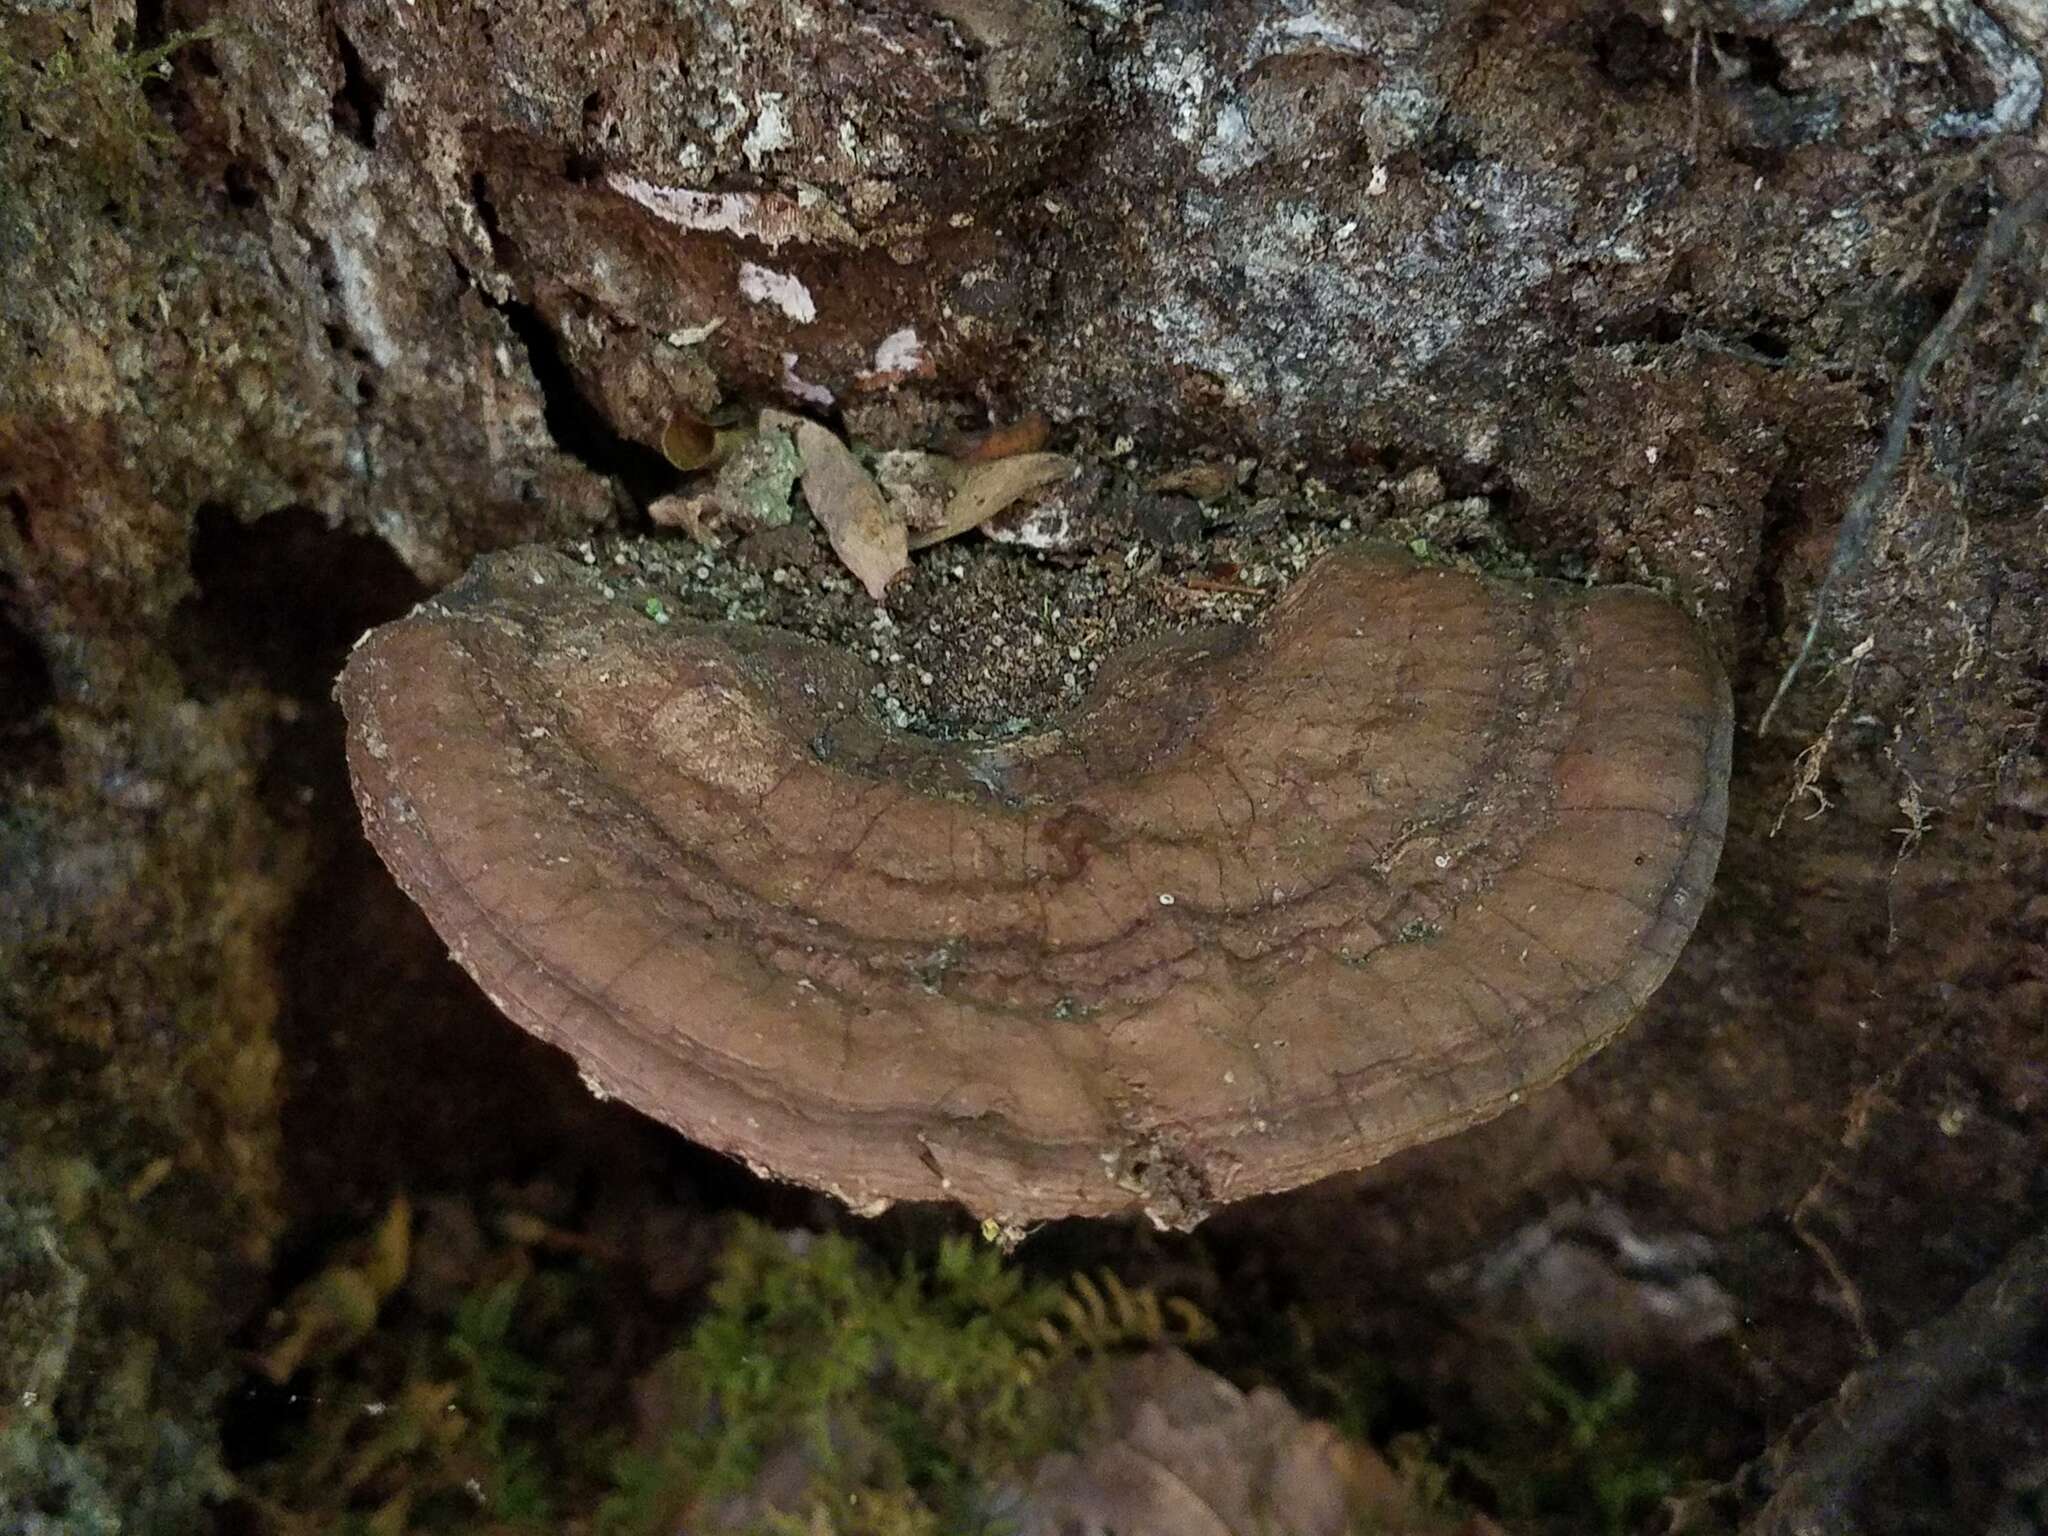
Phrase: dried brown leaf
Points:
(983, 490)
(1027, 434)
(866, 532)
(1208, 481)
(693, 514)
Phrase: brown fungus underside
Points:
(1277, 900)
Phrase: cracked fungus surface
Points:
(1276, 900)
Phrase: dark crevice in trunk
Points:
(502, 249)
(28, 740)
(281, 600)
(151, 28)
(578, 427)
(360, 100)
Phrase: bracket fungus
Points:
(1276, 900)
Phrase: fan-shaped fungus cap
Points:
(1278, 900)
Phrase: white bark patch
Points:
(802, 389)
(773, 220)
(1322, 32)
(719, 213)
(355, 269)
(770, 131)
(766, 286)
(899, 355)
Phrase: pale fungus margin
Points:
(1277, 900)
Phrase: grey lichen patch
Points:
(755, 484)
(1173, 1191)
(931, 970)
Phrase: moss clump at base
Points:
(815, 1385)
(822, 1387)
(1584, 1455)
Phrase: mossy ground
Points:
(814, 1384)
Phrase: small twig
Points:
(1852, 1299)
(1878, 1407)
(47, 1367)
(1876, 1094)
(1692, 143)
(2024, 377)
(1918, 819)
(1806, 768)
(1950, 180)
(1862, 1109)
(1857, 523)
(1231, 588)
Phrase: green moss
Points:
(78, 88)
(508, 1397)
(1583, 1457)
(130, 302)
(435, 1427)
(817, 1386)
(1577, 1449)
(902, 1397)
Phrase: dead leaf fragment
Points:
(919, 485)
(1208, 481)
(866, 532)
(1027, 434)
(693, 514)
(691, 443)
(983, 490)
(336, 1307)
